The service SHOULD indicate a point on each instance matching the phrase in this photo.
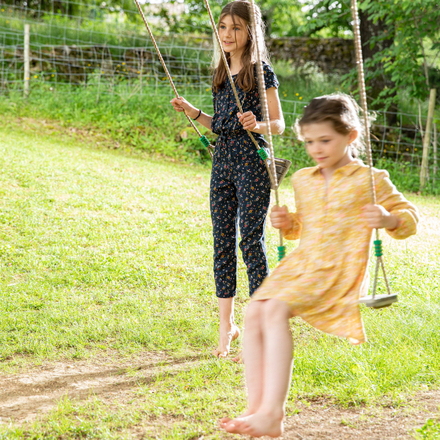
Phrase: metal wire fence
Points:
(105, 49)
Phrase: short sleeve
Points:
(270, 79)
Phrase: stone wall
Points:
(74, 64)
(331, 55)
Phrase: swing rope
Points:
(203, 139)
(363, 98)
(265, 112)
(262, 153)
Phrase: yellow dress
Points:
(323, 278)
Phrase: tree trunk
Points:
(377, 81)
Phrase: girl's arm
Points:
(276, 117)
(290, 223)
(393, 211)
(181, 104)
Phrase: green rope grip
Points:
(204, 141)
(262, 154)
(378, 248)
(281, 252)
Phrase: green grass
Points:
(145, 121)
(87, 29)
(106, 251)
(429, 431)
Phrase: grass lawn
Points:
(104, 252)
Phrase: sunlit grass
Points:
(104, 250)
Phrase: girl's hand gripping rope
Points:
(248, 120)
(181, 104)
(378, 217)
(279, 217)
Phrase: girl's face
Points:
(234, 37)
(328, 148)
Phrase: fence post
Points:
(434, 144)
(27, 73)
(427, 140)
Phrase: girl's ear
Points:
(353, 136)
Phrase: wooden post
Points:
(27, 72)
(427, 140)
(434, 144)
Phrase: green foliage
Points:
(84, 8)
(413, 23)
(328, 18)
(108, 29)
(409, 63)
(406, 176)
(126, 120)
(145, 122)
(282, 17)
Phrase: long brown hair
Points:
(339, 109)
(246, 77)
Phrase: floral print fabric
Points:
(225, 121)
(324, 277)
(240, 191)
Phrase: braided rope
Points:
(170, 79)
(265, 111)
(273, 179)
(262, 90)
(363, 99)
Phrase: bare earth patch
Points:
(25, 396)
(321, 421)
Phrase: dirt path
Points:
(321, 421)
(25, 396)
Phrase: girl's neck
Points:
(235, 63)
(329, 171)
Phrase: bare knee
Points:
(276, 311)
(254, 314)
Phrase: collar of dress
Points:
(346, 170)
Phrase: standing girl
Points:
(322, 280)
(240, 184)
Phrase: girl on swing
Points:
(322, 279)
(240, 184)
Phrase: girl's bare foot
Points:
(227, 335)
(225, 420)
(238, 359)
(256, 425)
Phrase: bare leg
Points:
(253, 356)
(277, 353)
(228, 330)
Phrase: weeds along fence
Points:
(105, 49)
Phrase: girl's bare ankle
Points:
(272, 413)
(226, 324)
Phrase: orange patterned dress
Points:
(323, 278)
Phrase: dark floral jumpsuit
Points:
(240, 190)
